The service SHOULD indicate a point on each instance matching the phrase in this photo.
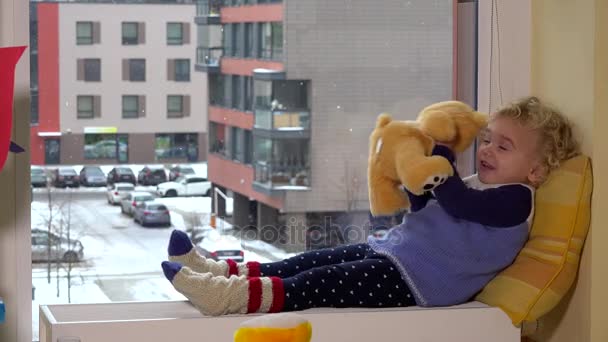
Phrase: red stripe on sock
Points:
(278, 295)
(253, 268)
(255, 295)
(232, 267)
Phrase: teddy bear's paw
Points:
(434, 181)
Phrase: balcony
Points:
(208, 12)
(281, 164)
(282, 120)
(208, 59)
(280, 175)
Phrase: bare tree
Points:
(350, 186)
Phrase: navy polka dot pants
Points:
(346, 276)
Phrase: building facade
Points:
(294, 91)
(115, 83)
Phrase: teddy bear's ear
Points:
(438, 124)
(383, 120)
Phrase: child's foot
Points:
(220, 295)
(182, 251)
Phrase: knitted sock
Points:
(220, 295)
(182, 251)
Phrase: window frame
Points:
(84, 114)
(86, 63)
(173, 40)
(132, 114)
(85, 40)
(133, 71)
(175, 113)
(129, 40)
(179, 76)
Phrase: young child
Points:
(451, 244)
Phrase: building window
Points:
(134, 70)
(271, 40)
(248, 40)
(87, 106)
(248, 147)
(179, 145)
(228, 40)
(84, 32)
(89, 70)
(249, 94)
(178, 33)
(133, 33)
(236, 94)
(132, 106)
(106, 146)
(182, 70)
(178, 106)
(216, 89)
(237, 40)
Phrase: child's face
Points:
(509, 153)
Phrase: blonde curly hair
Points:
(557, 142)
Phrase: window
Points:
(237, 40)
(236, 93)
(89, 70)
(106, 146)
(86, 108)
(216, 90)
(248, 93)
(175, 33)
(249, 40)
(182, 70)
(134, 70)
(178, 106)
(178, 145)
(133, 33)
(85, 33)
(130, 106)
(228, 42)
(271, 40)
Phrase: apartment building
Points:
(115, 83)
(294, 91)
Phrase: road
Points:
(119, 253)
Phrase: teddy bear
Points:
(400, 153)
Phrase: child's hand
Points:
(445, 151)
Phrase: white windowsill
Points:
(179, 321)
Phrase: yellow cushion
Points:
(546, 267)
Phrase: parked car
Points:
(189, 185)
(132, 199)
(92, 176)
(151, 176)
(117, 191)
(61, 249)
(38, 177)
(148, 213)
(220, 247)
(122, 175)
(180, 170)
(65, 176)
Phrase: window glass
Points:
(174, 34)
(130, 33)
(84, 33)
(85, 106)
(130, 106)
(182, 70)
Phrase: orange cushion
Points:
(547, 266)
